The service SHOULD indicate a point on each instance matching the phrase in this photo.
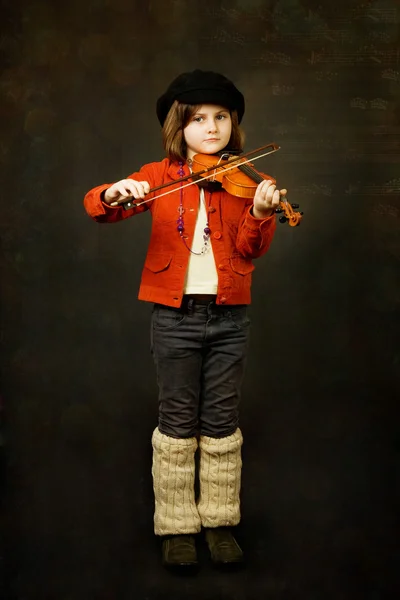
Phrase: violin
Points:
(235, 174)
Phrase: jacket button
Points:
(217, 235)
(223, 299)
(222, 267)
(212, 209)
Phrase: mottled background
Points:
(78, 397)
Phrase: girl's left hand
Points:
(266, 199)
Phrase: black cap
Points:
(201, 87)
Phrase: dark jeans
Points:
(199, 351)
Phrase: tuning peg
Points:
(294, 205)
(282, 219)
(279, 210)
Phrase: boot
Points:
(179, 551)
(219, 499)
(223, 547)
(175, 514)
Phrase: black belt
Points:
(193, 299)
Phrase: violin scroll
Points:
(290, 216)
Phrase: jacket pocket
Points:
(241, 265)
(157, 262)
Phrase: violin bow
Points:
(199, 175)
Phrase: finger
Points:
(126, 187)
(123, 192)
(141, 187)
(140, 191)
(146, 186)
(275, 198)
(263, 186)
(283, 192)
(131, 188)
(267, 183)
(270, 192)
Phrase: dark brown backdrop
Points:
(319, 416)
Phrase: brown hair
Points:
(178, 118)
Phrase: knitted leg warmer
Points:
(220, 478)
(173, 482)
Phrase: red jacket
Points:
(236, 237)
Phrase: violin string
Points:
(256, 177)
(235, 166)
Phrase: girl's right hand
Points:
(124, 189)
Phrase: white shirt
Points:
(201, 275)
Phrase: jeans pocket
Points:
(239, 317)
(165, 318)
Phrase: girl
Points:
(197, 273)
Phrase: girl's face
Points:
(208, 130)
